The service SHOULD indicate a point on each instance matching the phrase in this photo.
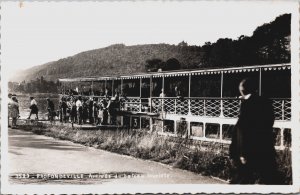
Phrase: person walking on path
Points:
(63, 110)
(33, 108)
(252, 148)
(9, 107)
(14, 111)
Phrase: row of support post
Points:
(163, 85)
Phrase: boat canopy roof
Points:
(184, 72)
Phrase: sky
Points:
(39, 32)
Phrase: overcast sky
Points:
(40, 32)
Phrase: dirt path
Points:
(39, 156)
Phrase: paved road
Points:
(37, 154)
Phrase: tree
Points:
(154, 64)
(183, 44)
(172, 64)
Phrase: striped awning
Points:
(188, 72)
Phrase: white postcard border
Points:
(120, 189)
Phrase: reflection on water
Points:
(24, 104)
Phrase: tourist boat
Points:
(200, 104)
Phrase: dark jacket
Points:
(253, 133)
(50, 105)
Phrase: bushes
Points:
(284, 162)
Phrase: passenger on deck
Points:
(106, 93)
(178, 93)
(33, 108)
(117, 95)
(162, 95)
(100, 113)
(125, 90)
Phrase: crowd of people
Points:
(75, 109)
(86, 110)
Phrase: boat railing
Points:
(202, 106)
(227, 107)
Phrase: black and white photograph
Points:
(150, 97)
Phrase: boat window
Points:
(196, 129)
(145, 123)
(168, 126)
(227, 131)
(277, 136)
(287, 137)
(212, 130)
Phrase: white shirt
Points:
(78, 104)
(247, 96)
(33, 102)
(162, 95)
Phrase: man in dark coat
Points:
(252, 148)
(50, 108)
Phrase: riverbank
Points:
(208, 160)
(44, 160)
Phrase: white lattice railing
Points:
(214, 107)
(282, 109)
(135, 104)
(231, 107)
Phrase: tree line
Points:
(39, 85)
(269, 44)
